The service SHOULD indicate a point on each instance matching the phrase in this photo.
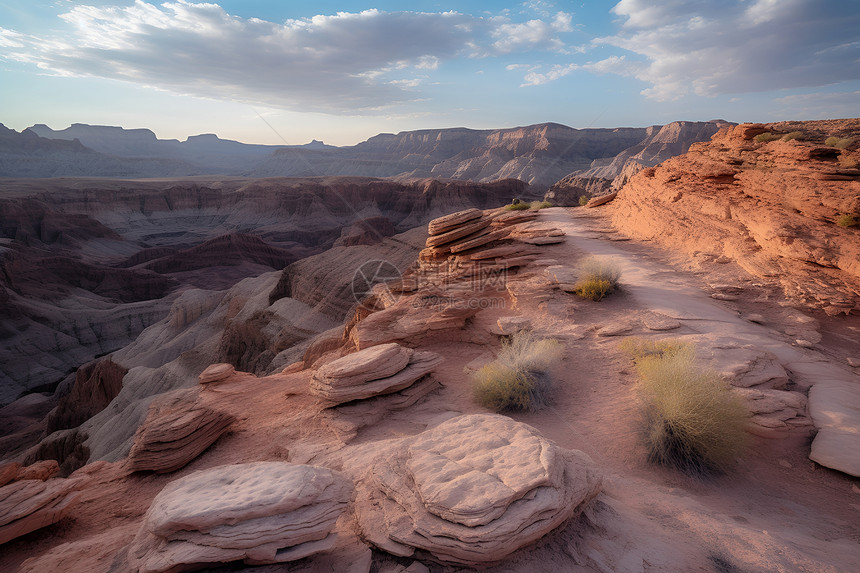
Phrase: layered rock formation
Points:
(177, 429)
(537, 154)
(472, 491)
(607, 175)
(771, 204)
(30, 504)
(371, 372)
(264, 512)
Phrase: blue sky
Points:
(287, 72)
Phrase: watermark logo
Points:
(373, 273)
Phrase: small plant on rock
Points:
(538, 205)
(518, 206)
(597, 278)
(517, 379)
(838, 142)
(693, 420)
(792, 135)
(847, 221)
(765, 137)
(583, 200)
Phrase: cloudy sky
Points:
(341, 71)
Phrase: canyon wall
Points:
(781, 199)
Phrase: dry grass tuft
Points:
(693, 421)
(597, 278)
(765, 137)
(517, 379)
(792, 135)
(538, 205)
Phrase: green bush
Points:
(583, 200)
(517, 379)
(838, 142)
(518, 206)
(792, 135)
(693, 420)
(847, 221)
(765, 137)
(596, 278)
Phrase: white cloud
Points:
(346, 62)
(822, 105)
(512, 36)
(736, 46)
(535, 78)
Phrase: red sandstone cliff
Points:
(776, 198)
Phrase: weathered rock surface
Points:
(605, 175)
(448, 222)
(29, 505)
(42, 471)
(216, 372)
(835, 409)
(263, 512)
(370, 372)
(770, 206)
(176, 431)
(472, 491)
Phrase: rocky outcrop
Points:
(260, 513)
(606, 175)
(771, 204)
(177, 429)
(28, 505)
(471, 491)
(96, 384)
(371, 372)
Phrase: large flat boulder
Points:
(28, 505)
(457, 233)
(264, 512)
(471, 491)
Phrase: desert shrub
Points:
(693, 420)
(847, 221)
(792, 135)
(596, 278)
(583, 200)
(593, 289)
(838, 142)
(521, 206)
(517, 379)
(765, 137)
(538, 205)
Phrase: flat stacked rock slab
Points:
(259, 513)
(371, 372)
(472, 491)
(28, 505)
(448, 222)
(457, 233)
(174, 435)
